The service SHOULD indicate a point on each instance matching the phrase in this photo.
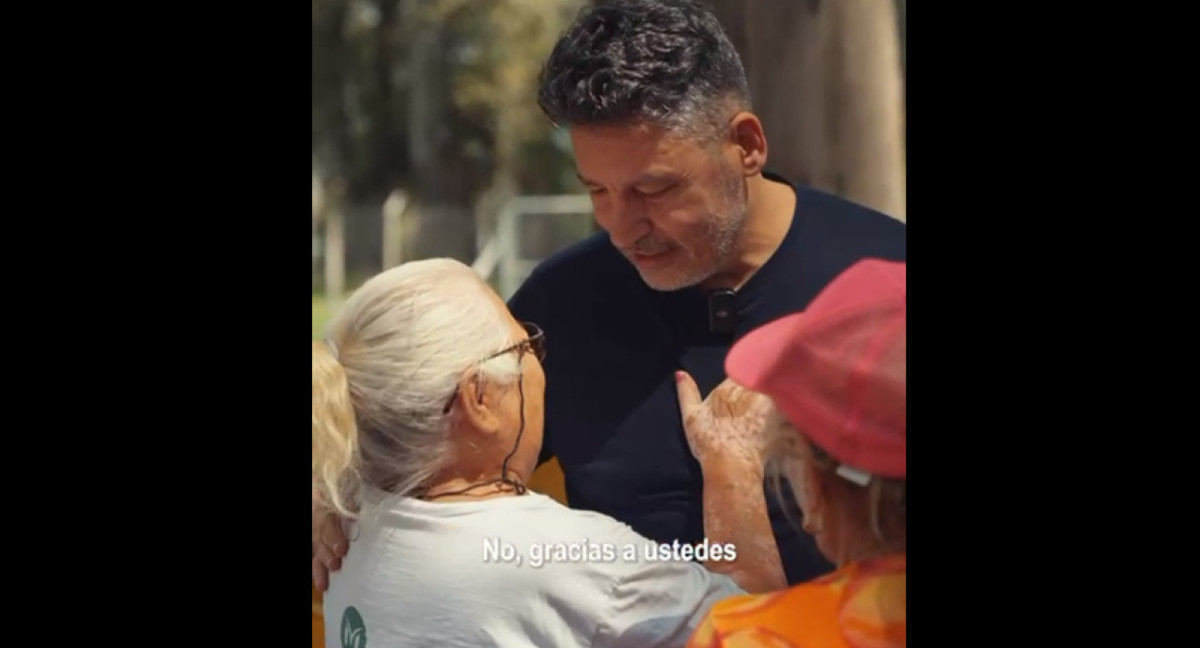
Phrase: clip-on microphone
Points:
(722, 311)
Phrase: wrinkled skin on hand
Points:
(729, 425)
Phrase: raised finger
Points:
(332, 536)
(320, 575)
(689, 394)
(327, 557)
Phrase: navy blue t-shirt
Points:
(613, 345)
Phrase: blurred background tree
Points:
(827, 79)
(437, 99)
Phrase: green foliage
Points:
(373, 58)
(320, 315)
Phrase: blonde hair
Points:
(885, 499)
(394, 356)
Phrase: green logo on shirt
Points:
(354, 631)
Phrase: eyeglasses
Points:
(535, 344)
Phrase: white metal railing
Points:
(500, 256)
(511, 267)
(489, 258)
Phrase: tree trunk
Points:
(826, 80)
(335, 243)
(868, 154)
(330, 61)
(389, 145)
(441, 197)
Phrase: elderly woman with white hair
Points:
(426, 425)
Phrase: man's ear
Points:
(746, 132)
(478, 401)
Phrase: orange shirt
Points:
(862, 605)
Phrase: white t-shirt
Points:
(434, 574)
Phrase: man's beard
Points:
(722, 229)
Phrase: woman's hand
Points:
(727, 427)
(329, 543)
(729, 437)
